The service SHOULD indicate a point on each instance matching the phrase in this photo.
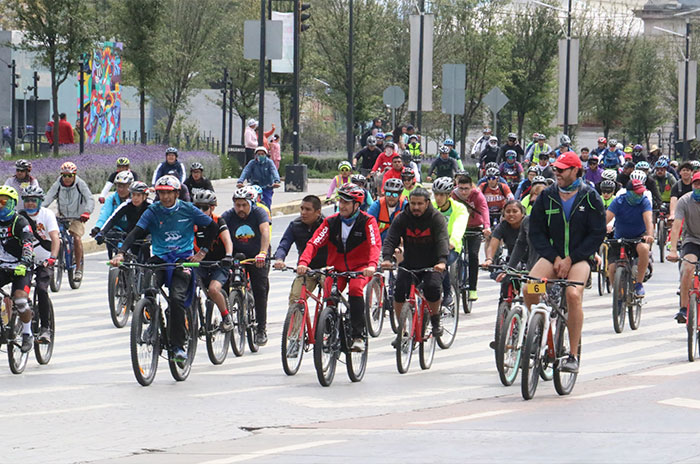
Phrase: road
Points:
(635, 401)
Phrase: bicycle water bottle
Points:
(4, 314)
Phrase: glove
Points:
(260, 259)
(99, 239)
(94, 231)
(21, 269)
(101, 200)
(227, 262)
(85, 217)
(27, 255)
(51, 261)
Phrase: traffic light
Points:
(304, 16)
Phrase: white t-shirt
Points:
(46, 222)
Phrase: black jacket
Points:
(425, 238)
(505, 147)
(579, 237)
(488, 155)
(125, 216)
(202, 184)
(300, 234)
(367, 157)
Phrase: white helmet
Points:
(609, 174)
(124, 177)
(639, 175)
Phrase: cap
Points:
(568, 160)
(636, 186)
(696, 176)
(628, 156)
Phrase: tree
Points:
(59, 32)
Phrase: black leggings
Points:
(43, 277)
(473, 246)
(260, 284)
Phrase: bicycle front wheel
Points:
(661, 238)
(449, 318)
(635, 314)
(293, 339)
(356, 362)
(17, 359)
(145, 341)
(237, 310)
(119, 306)
(404, 338)
(619, 308)
(692, 326)
(325, 349)
(508, 349)
(75, 284)
(426, 347)
(374, 306)
(531, 360)
(503, 310)
(44, 351)
(217, 339)
(563, 381)
(181, 370)
(57, 274)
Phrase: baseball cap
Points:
(636, 186)
(696, 176)
(568, 160)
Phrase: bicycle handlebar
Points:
(625, 241)
(565, 282)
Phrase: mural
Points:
(102, 95)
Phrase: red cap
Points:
(628, 156)
(696, 176)
(568, 160)
(637, 186)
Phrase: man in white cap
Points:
(251, 140)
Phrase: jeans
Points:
(267, 196)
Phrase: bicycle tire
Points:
(75, 284)
(374, 306)
(449, 318)
(634, 315)
(251, 324)
(619, 302)
(405, 337)
(507, 351)
(426, 347)
(44, 351)
(356, 362)
(563, 381)
(118, 295)
(601, 272)
(217, 340)
(238, 317)
(692, 327)
(463, 290)
(15, 357)
(530, 364)
(181, 370)
(393, 321)
(661, 238)
(325, 354)
(57, 274)
(291, 337)
(146, 314)
(503, 309)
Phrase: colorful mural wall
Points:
(102, 95)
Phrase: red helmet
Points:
(602, 140)
(351, 192)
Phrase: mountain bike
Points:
(241, 304)
(603, 278)
(462, 270)
(379, 297)
(125, 284)
(691, 323)
(217, 340)
(662, 229)
(65, 261)
(624, 299)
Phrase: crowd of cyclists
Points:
(539, 209)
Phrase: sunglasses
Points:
(67, 175)
(492, 178)
(555, 169)
(344, 170)
(204, 208)
(392, 194)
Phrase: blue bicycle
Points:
(65, 260)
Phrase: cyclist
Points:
(456, 215)
(361, 181)
(633, 219)
(123, 180)
(611, 175)
(564, 146)
(383, 161)
(123, 164)
(651, 184)
(567, 226)
(299, 233)
(261, 171)
(409, 163)
(496, 193)
(414, 148)
(250, 232)
(511, 144)
(638, 153)
(74, 200)
(529, 199)
(541, 146)
(408, 177)
(602, 146)
(396, 170)
(490, 153)
(479, 220)
(453, 153)
(386, 208)
(607, 192)
(343, 177)
(664, 180)
(612, 157)
(353, 241)
(367, 156)
(525, 184)
(443, 165)
(683, 186)
(196, 180)
(544, 165)
(511, 170)
(22, 178)
(506, 233)
(481, 143)
(585, 155)
(256, 192)
(171, 222)
(214, 277)
(46, 243)
(624, 175)
(380, 140)
(171, 166)
(593, 172)
(423, 231)
(485, 178)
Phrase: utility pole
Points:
(36, 112)
(351, 84)
(82, 103)
(567, 78)
(230, 112)
(223, 112)
(419, 116)
(13, 66)
(686, 143)
(261, 89)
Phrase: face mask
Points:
(351, 219)
(633, 198)
(696, 195)
(552, 160)
(32, 211)
(8, 211)
(574, 185)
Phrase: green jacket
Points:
(457, 217)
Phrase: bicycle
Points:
(65, 257)
(150, 333)
(662, 229)
(602, 271)
(241, 305)
(210, 319)
(125, 284)
(299, 329)
(334, 335)
(692, 325)
(624, 299)
(379, 297)
(547, 337)
(462, 270)
(414, 327)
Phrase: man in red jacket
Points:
(354, 244)
(65, 131)
(395, 172)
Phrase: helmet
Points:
(388, 135)
(243, 193)
(661, 164)
(602, 140)
(628, 149)
(564, 140)
(260, 148)
(534, 169)
(535, 135)
(492, 172)
(23, 165)
(168, 182)
(642, 165)
(393, 185)
(607, 186)
(609, 174)
(358, 179)
(612, 142)
(665, 157)
(639, 175)
(256, 190)
(443, 185)
(204, 197)
(512, 136)
(32, 191)
(695, 164)
(380, 135)
(449, 142)
(196, 166)
(351, 192)
(407, 173)
(69, 168)
(371, 140)
(539, 180)
(511, 154)
(638, 147)
(170, 150)
(138, 187)
(493, 138)
(491, 165)
(344, 165)
(123, 161)
(541, 137)
(124, 177)
(406, 157)
(9, 192)
(391, 145)
(444, 149)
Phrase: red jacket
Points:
(65, 132)
(361, 248)
(382, 161)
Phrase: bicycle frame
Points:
(417, 300)
(307, 326)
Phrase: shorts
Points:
(689, 248)
(77, 228)
(432, 285)
(18, 282)
(213, 273)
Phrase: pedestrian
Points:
(250, 140)
(274, 149)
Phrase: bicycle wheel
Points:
(426, 347)
(181, 370)
(57, 274)
(119, 296)
(252, 326)
(238, 315)
(503, 310)
(404, 347)
(356, 361)
(619, 303)
(508, 350)
(531, 360)
(463, 287)
(563, 381)
(661, 238)
(635, 313)
(44, 351)
(17, 359)
(326, 347)
(389, 306)
(75, 284)
(217, 340)
(601, 271)
(449, 318)
(145, 341)
(374, 306)
(692, 326)
(293, 339)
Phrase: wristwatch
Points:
(204, 250)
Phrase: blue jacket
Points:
(260, 171)
(177, 170)
(111, 203)
(611, 158)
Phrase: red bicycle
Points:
(298, 332)
(692, 320)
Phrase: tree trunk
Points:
(462, 136)
(168, 128)
(243, 117)
(521, 123)
(142, 114)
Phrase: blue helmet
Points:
(661, 164)
(449, 142)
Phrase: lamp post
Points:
(351, 90)
(261, 89)
(36, 112)
(13, 67)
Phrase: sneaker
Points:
(78, 276)
(227, 323)
(639, 290)
(358, 345)
(437, 330)
(261, 337)
(179, 355)
(27, 342)
(396, 341)
(45, 335)
(569, 364)
(589, 282)
(472, 295)
(681, 316)
(448, 300)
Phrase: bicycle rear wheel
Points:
(181, 370)
(507, 351)
(217, 340)
(293, 339)
(326, 347)
(563, 381)
(503, 310)
(531, 359)
(661, 234)
(252, 326)
(601, 271)
(449, 318)
(619, 303)
(635, 314)
(404, 347)
(44, 351)
(145, 341)
(119, 296)
(238, 315)
(692, 326)
(374, 306)
(57, 274)
(426, 347)
(17, 359)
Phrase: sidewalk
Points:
(282, 203)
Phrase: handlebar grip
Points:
(190, 264)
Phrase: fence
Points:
(200, 141)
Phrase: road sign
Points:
(453, 101)
(495, 100)
(692, 91)
(394, 96)
(454, 76)
(273, 40)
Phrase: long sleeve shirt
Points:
(250, 138)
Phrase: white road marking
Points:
(56, 411)
(668, 371)
(682, 402)
(273, 451)
(609, 392)
(234, 392)
(450, 420)
(39, 391)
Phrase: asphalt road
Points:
(635, 400)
